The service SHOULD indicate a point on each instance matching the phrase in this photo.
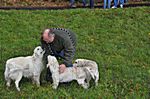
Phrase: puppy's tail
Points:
(94, 73)
(7, 70)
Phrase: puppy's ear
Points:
(53, 60)
(48, 57)
(88, 70)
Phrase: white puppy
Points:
(30, 67)
(92, 67)
(81, 74)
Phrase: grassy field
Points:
(117, 39)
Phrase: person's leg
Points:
(91, 3)
(121, 3)
(115, 3)
(60, 54)
(114, 6)
(105, 2)
(109, 3)
(84, 2)
(71, 3)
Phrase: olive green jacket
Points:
(65, 40)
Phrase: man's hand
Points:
(62, 68)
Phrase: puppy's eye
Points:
(38, 49)
(40, 52)
(75, 62)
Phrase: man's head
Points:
(48, 35)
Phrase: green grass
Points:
(117, 39)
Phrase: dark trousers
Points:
(91, 3)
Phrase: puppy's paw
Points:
(33, 82)
(54, 87)
(96, 84)
(85, 86)
(18, 89)
(8, 84)
(38, 85)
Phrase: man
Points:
(60, 43)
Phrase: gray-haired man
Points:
(61, 43)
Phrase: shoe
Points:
(121, 6)
(113, 7)
(73, 6)
(85, 5)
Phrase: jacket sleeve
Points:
(69, 51)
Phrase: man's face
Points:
(48, 38)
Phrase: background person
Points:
(72, 3)
(116, 3)
(107, 4)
